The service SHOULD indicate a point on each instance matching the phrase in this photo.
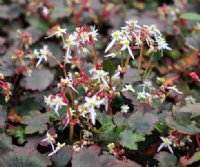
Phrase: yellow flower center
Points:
(92, 103)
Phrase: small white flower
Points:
(142, 95)
(49, 139)
(100, 74)
(59, 146)
(58, 32)
(68, 81)
(138, 41)
(154, 30)
(162, 44)
(190, 100)
(146, 84)
(124, 108)
(116, 36)
(125, 45)
(84, 37)
(48, 101)
(128, 87)
(174, 89)
(133, 23)
(45, 11)
(91, 103)
(93, 33)
(112, 55)
(70, 41)
(166, 143)
(42, 54)
(57, 103)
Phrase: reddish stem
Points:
(197, 139)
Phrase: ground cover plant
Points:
(99, 83)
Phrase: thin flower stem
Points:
(150, 69)
(71, 127)
(71, 133)
(197, 139)
(140, 58)
(127, 61)
(149, 65)
(95, 54)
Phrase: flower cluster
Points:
(51, 140)
(5, 88)
(80, 39)
(133, 36)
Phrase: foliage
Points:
(99, 83)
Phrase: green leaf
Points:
(119, 119)
(59, 10)
(191, 108)
(18, 133)
(181, 126)
(166, 159)
(23, 157)
(194, 158)
(39, 80)
(190, 16)
(129, 139)
(142, 123)
(103, 118)
(62, 158)
(38, 23)
(85, 158)
(109, 67)
(36, 122)
(26, 106)
(131, 76)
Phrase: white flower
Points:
(166, 143)
(133, 23)
(58, 32)
(100, 74)
(68, 81)
(45, 10)
(84, 37)
(124, 108)
(116, 36)
(42, 54)
(70, 41)
(59, 146)
(126, 33)
(49, 139)
(48, 101)
(91, 103)
(128, 87)
(112, 55)
(57, 103)
(142, 95)
(174, 89)
(125, 45)
(147, 84)
(138, 41)
(190, 100)
(93, 33)
(154, 30)
(162, 43)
